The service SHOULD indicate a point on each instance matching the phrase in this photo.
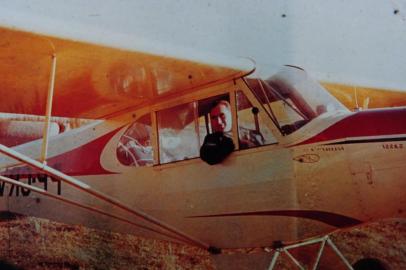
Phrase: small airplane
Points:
(117, 134)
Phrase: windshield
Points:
(292, 99)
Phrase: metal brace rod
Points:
(293, 259)
(104, 197)
(320, 253)
(92, 209)
(338, 252)
(48, 110)
(274, 259)
(305, 243)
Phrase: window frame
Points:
(216, 90)
(230, 88)
(265, 118)
(261, 121)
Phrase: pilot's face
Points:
(220, 119)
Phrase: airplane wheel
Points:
(370, 264)
(7, 266)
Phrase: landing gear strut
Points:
(280, 248)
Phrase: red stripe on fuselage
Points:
(364, 124)
(84, 160)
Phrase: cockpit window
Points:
(134, 147)
(292, 99)
(183, 128)
(178, 133)
(251, 131)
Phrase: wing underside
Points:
(92, 81)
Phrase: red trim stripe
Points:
(84, 160)
(383, 122)
(329, 218)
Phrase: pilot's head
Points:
(220, 116)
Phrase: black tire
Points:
(370, 264)
(8, 266)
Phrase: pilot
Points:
(220, 117)
(218, 145)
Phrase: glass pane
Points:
(178, 133)
(293, 99)
(134, 147)
(251, 131)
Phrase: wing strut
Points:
(48, 110)
(92, 209)
(104, 197)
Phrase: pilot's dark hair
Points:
(220, 102)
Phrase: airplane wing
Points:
(366, 97)
(94, 81)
